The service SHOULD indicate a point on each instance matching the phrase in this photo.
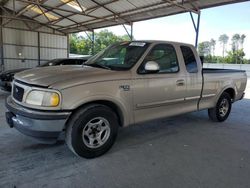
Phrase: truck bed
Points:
(213, 70)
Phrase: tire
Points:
(222, 109)
(82, 136)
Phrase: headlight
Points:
(43, 98)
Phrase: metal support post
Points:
(1, 43)
(68, 46)
(93, 42)
(196, 27)
(130, 34)
(92, 38)
(39, 48)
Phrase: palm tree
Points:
(212, 44)
(223, 41)
(242, 40)
(235, 42)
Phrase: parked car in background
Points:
(126, 84)
(6, 77)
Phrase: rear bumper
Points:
(242, 97)
(44, 126)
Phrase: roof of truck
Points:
(161, 41)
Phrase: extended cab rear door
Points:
(193, 76)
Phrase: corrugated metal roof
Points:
(69, 16)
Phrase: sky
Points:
(229, 19)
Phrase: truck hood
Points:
(60, 77)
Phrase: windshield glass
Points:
(120, 56)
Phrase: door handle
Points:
(180, 82)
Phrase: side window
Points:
(165, 56)
(189, 59)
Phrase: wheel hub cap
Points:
(224, 106)
(96, 132)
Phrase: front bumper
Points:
(44, 126)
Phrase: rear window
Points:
(189, 59)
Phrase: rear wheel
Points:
(92, 131)
(222, 109)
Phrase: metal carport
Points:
(56, 19)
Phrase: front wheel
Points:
(222, 109)
(92, 131)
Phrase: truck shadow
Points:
(190, 123)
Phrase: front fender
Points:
(76, 97)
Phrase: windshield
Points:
(120, 56)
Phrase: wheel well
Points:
(231, 92)
(111, 105)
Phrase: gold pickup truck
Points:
(127, 83)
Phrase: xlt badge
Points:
(125, 87)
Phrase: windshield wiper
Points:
(98, 66)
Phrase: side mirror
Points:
(202, 59)
(151, 67)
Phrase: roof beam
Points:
(88, 11)
(50, 7)
(20, 12)
(180, 5)
(43, 13)
(47, 10)
(60, 9)
(115, 14)
(11, 17)
(75, 23)
(60, 19)
(93, 21)
(80, 6)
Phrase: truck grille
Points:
(18, 93)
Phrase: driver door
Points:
(159, 94)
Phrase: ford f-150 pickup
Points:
(125, 84)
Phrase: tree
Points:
(212, 45)
(204, 48)
(223, 41)
(235, 56)
(235, 42)
(105, 38)
(242, 40)
(83, 45)
(73, 39)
